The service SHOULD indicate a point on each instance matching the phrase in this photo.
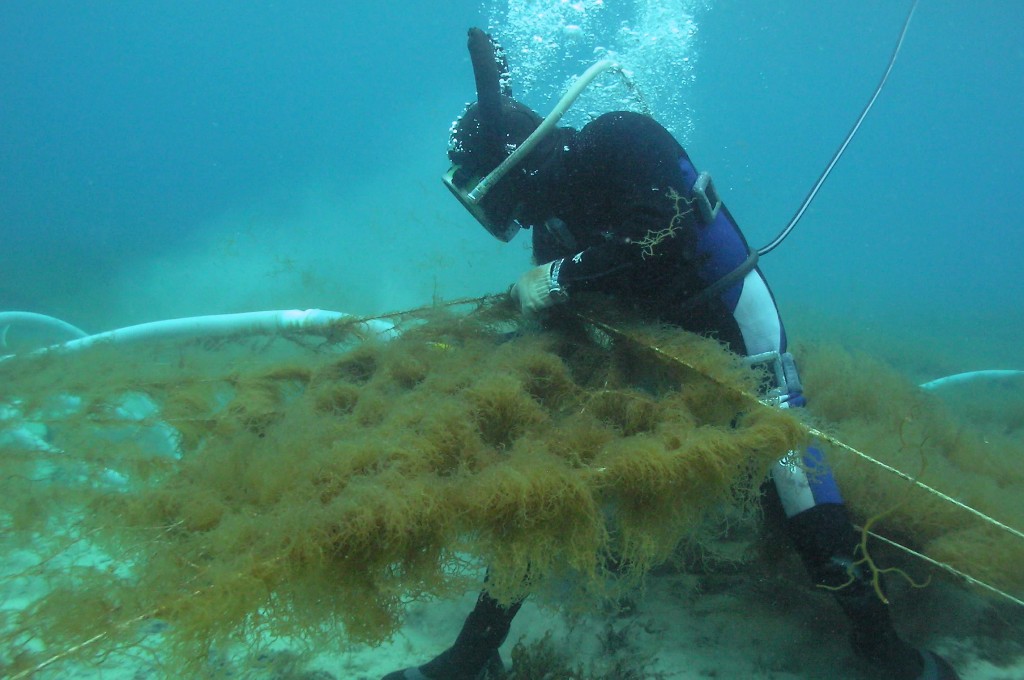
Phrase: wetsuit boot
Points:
(826, 540)
(474, 656)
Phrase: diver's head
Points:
(475, 152)
(484, 136)
(476, 147)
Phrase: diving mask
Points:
(498, 220)
(498, 217)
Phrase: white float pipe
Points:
(9, 318)
(221, 325)
(275, 321)
(960, 378)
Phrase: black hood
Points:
(479, 145)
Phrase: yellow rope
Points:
(813, 431)
(845, 447)
(947, 567)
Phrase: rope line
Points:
(846, 447)
(946, 567)
(612, 330)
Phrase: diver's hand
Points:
(538, 288)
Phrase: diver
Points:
(618, 208)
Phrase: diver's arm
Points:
(657, 245)
(548, 284)
(598, 268)
(647, 229)
(590, 268)
(651, 237)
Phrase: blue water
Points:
(167, 159)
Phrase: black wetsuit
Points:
(615, 200)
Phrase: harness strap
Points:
(735, 276)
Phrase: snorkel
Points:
(546, 126)
(490, 69)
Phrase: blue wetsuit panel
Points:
(819, 477)
(720, 244)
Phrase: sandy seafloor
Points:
(689, 626)
(747, 618)
(748, 624)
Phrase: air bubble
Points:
(556, 40)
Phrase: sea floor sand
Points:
(746, 622)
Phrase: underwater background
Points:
(168, 159)
(176, 159)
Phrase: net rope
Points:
(834, 441)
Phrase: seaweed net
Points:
(162, 503)
(165, 500)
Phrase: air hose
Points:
(842, 147)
